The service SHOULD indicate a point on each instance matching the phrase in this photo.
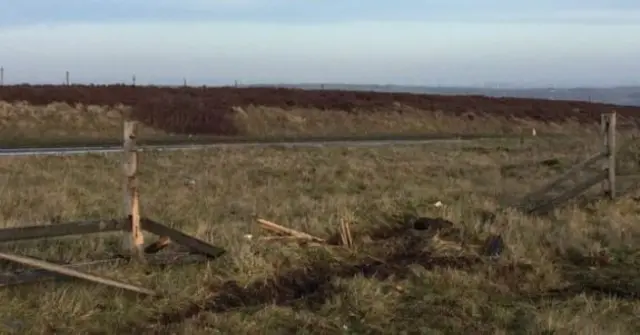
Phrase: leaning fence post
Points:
(133, 239)
(608, 127)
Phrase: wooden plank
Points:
(59, 230)
(562, 178)
(66, 271)
(39, 275)
(611, 150)
(547, 205)
(134, 240)
(181, 238)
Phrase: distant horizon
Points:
(241, 84)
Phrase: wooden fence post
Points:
(133, 240)
(608, 127)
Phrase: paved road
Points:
(287, 144)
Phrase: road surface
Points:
(285, 144)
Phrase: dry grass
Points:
(21, 120)
(429, 283)
(57, 120)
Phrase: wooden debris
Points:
(268, 225)
(345, 234)
(66, 271)
(194, 244)
(158, 245)
(29, 276)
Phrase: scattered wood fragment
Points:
(345, 233)
(268, 225)
(160, 244)
(343, 237)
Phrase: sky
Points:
(517, 43)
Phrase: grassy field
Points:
(61, 124)
(574, 271)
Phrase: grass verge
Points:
(574, 271)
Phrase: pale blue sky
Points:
(447, 42)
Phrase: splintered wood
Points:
(134, 241)
(292, 233)
(288, 234)
(345, 234)
(158, 245)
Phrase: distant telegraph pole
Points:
(66, 74)
(133, 80)
(1, 75)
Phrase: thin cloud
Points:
(30, 12)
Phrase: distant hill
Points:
(628, 96)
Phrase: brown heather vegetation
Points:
(573, 271)
(214, 111)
